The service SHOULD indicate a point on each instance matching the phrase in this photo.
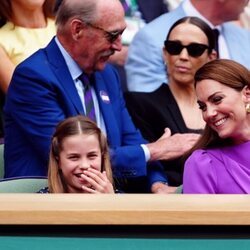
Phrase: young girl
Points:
(79, 159)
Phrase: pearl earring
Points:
(248, 108)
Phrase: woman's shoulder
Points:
(200, 174)
(204, 156)
(161, 95)
(7, 31)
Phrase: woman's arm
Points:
(6, 70)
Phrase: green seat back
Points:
(23, 185)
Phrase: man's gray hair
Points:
(84, 10)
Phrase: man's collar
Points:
(74, 69)
(190, 10)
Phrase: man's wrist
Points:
(153, 151)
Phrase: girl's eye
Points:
(92, 156)
(73, 157)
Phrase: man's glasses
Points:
(194, 49)
(111, 36)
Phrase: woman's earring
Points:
(166, 67)
(248, 108)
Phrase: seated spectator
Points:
(70, 77)
(79, 159)
(29, 25)
(144, 67)
(220, 162)
(137, 13)
(189, 44)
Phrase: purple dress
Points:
(218, 171)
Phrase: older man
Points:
(53, 84)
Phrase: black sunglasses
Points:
(111, 36)
(194, 49)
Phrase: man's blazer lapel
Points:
(62, 73)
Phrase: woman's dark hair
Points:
(200, 24)
(57, 5)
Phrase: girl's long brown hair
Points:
(74, 126)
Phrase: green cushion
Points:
(23, 185)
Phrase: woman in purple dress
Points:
(220, 161)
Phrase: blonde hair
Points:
(74, 126)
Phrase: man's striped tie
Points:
(88, 99)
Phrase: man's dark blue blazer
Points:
(42, 93)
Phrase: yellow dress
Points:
(19, 42)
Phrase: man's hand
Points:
(169, 147)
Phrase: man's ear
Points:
(76, 28)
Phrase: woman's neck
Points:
(187, 102)
(183, 93)
(28, 18)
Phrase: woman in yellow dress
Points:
(29, 25)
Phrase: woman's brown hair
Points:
(226, 72)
